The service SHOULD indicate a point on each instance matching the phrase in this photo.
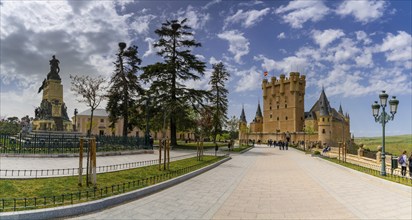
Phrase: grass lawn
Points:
(393, 178)
(55, 187)
(236, 149)
(393, 144)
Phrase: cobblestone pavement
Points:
(266, 183)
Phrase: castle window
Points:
(102, 120)
(323, 119)
(286, 105)
(277, 118)
(270, 107)
(323, 131)
(278, 106)
(328, 119)
(286, 118)
(270, 115)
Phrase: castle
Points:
(284, 117)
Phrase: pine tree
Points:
(125, 89)
(167, 78)
(218, 100)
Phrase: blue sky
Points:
(354, 49)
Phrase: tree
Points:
(92, 92)
(232, 126)
(218, 97)
(125, 89)
(167, 78)
(11, 126)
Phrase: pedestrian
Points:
(410, 166)
(287, 143)
(402, 161)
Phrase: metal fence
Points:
(49, 143)
(32, 174)
(17, 204)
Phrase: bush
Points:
(316, 152)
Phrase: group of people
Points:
(403, 160)
(283, 145)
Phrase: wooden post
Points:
(339, 152)
(165, 154)
(201, 150)
(168, 154)
(81, 162)
(160, 154)
(93, 143)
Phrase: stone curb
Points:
(97, 205)
(246, 150)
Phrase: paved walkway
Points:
(267, 183)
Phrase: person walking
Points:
(410, 166)
(402, 161)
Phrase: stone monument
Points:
(51, 115)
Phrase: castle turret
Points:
(257, 124)
(324, 120)
(242, 127)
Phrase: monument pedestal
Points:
(52, 113)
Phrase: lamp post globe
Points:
(383, 97)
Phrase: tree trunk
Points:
(89, 133)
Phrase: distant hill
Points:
(393, 144)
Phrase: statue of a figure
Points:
(54, 69)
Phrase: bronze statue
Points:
(54, 69)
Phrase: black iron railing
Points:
(50, 143)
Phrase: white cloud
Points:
(363, 11)
(365, 58)
(296, 13)
(238, 44)
(247, 18)
(343, 52)
(249, 80)
(195, 18)
(286, 65)
(323, 38)
(151, 49)
(213, 60)
(398, 48)
(362, 36)
(281, 35)
(209, 4)
(141, 23)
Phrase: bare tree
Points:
(92, 92)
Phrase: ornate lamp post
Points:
(384, 118)
(75, 119)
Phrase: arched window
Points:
(323, 131)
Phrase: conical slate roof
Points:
(324, 104)
(340, 109)
(243, 116)
(258, 111)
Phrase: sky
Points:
(354, 49)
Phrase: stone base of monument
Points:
(55, 124)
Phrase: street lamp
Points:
(75, 119)
(384, 118)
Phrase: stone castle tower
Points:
(283, 103)
(284, 116)
(52, 113)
